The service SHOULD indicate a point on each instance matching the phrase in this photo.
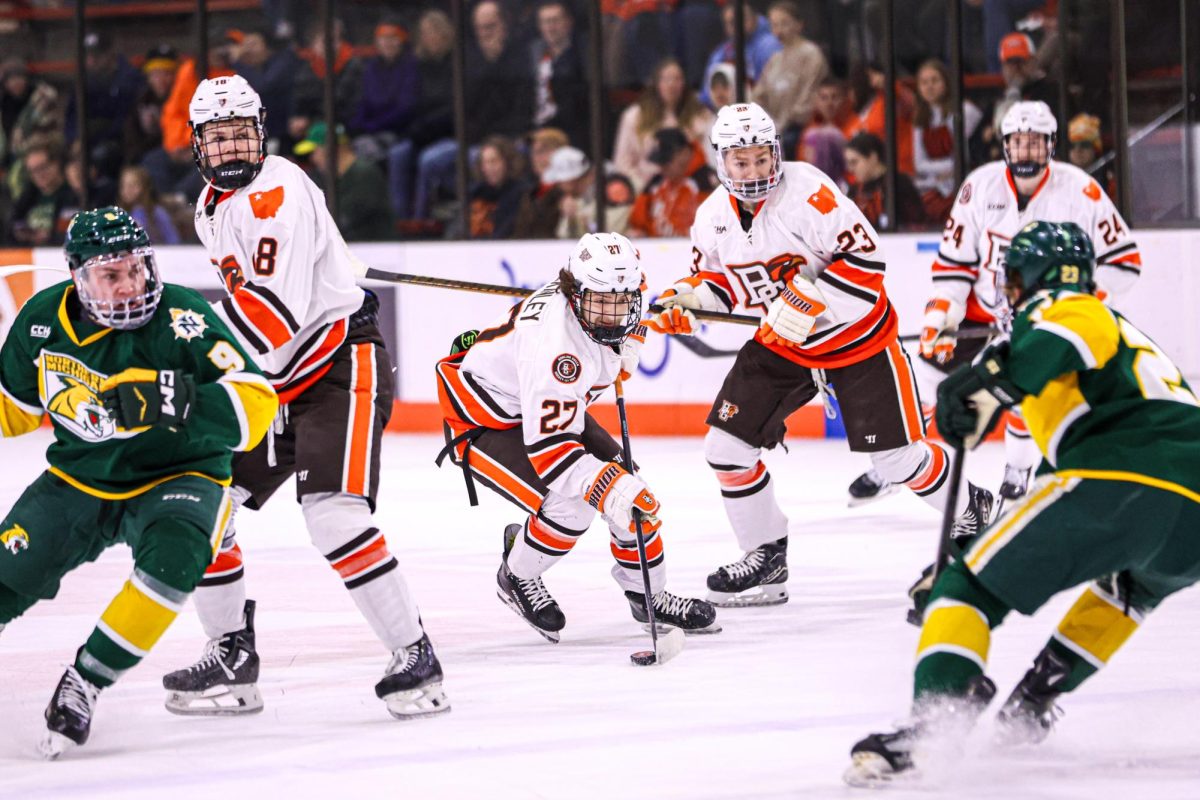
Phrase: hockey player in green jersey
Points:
(149, 396)
(1116, 504)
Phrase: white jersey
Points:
(805, 225)
(539, 370)
(286, 269)
(969, 268)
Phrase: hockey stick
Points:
(957, 459)
(14, 269)
(672, 640)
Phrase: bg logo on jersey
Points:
(762, 283)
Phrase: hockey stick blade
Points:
(670, 644)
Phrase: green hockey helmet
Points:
(1049, 255)
(113, 267)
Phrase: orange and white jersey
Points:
(969, 268)
(539, 370)
(805, 225)
(287, 271)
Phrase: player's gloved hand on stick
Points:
(971, 399)
(942, 316)
(631, 352)
(616, 493)
(678, 302)
(137, 398)
(793, 313)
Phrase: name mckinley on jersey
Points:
(287, 304)
(806, 225)
(969, 267)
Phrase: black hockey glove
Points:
(136, 398)
(970, 400)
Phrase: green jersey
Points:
(55, 359)
(1102, 395)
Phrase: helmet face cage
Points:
(119, 290)
(751, 190)
(248, 154)
(1021, 152)
(606, 317)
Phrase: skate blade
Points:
(663, 629)
(218, 701)
(53, 745)
(549, 636)
(424, 701)
(855, 502)
(872, 771)
(773, 595)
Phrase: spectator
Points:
(42, 211)
(635, 34)
(1000, 19)
(143, 128)
(137, 196)
(104, 167)
(695, 31)
(1085, 148)
(15, 91)
(496, 195)
(1024, 78)
(560, 82)
(270, 71)
(933, 138)
(761, 44)
(363, 211)
(433, 120)
(309, 87)
(825, 148)
(538, 214)
(666, 102)
(832, 108)
(788, 81)
(39, 115)
(113, 86)
(667, 206)
(389, 94)
(867, 97)
(619, 198)
(866, 162)
(572, 173)
(718, 88)
(499, 90)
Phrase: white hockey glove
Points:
(792, 315)
(942, 315)
(631, 351)
(617, 495)
(690, 294)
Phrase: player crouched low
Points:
(148, 405)
(515, 406)
(1115, 504)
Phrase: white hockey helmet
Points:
(217, 100)
(746, 125)
(1028, 116)
(603, 282)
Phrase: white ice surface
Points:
(766, 709)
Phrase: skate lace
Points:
(535, 592)
(672, 605)
(75, 695)
(212, 656)
(748, 565)
(404, 659)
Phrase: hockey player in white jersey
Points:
(781, 241)
(293, 302)
(995, 202)
(515, 406)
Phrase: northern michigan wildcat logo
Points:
(81, 405)
(15, 539)
(69, 390)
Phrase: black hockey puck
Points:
(643, 658)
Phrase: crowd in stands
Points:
(668, 66)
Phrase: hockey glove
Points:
(690, 294)
(971, 399)
(942, 315)
(631, 350)
(919, 594)
(618, 495)
(138, 398)
(792, 315)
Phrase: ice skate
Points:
(528, 598)
(412, 682)
(757, 579)
(882, 758)
(1029, 713)
(223, 681)
(671, 611)
(69, 715)
(1013, 487)
(975, 519)
(868, 487)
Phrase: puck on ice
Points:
(643, 658)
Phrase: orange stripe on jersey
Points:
(868, 279)
(461, 395)
(356, 562)
(545, 536)
(296, 389)
(748, 476)
(362, 420)
(906, 389)
(1016, 423)
(1133, 259)
(629, 555)
(932, 472)
(263, 318)
(506, 482)
(227, 561)
(544, 462)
